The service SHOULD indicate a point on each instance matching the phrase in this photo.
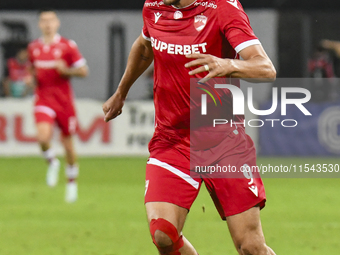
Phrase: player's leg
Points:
(246, 231)
(169, 194)
(70, 153)
(68, 123)
(44, 136)
(238, 200)
(44, 126)
(239, 194)
(166, 222)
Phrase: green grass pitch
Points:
(302, 216)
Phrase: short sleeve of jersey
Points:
(234, 24)
(75, 57)
(145, 32)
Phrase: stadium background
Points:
(302, 216)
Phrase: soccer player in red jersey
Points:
(55, 60)
(196, 39)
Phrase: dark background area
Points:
(300, 32)
(137, 4)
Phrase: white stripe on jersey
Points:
(47, 110)
(246, 44)
(80, 63)
(145, 37)
(184, 176)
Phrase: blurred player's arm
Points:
(64, 70)
(6, 86)
(331, 45)
(254, 66)
(30, 79)
(140, 58)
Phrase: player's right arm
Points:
(140, 58)
(31, 80)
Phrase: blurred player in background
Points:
(196, 39)
(320, 66)
(55, 60)
(18, 81)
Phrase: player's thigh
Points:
(246, 230)
(44, 131)
(169, 191)
(44, 119)
(236, 190)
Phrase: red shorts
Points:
(169, 179)
(65, 119)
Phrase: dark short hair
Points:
(46, 10)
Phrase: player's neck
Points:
(48, 38)
(184, 3)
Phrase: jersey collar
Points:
(56, 39)
(178, 8)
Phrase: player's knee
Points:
(43, 140)
(161, 239)
(44, 137)
(251, 247)
(165, 237)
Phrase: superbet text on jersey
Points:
(220, 28)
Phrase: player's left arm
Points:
(64, 70)
(74, 64)
(255, 65)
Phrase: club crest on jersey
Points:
(178, 15)
(57, 53)
(200, 22)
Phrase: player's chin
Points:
(171, 2)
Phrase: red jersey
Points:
(17, 71)
(52, 89)
(220, 28)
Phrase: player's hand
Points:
(216, 67)
(61, 67)
(113, 107)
